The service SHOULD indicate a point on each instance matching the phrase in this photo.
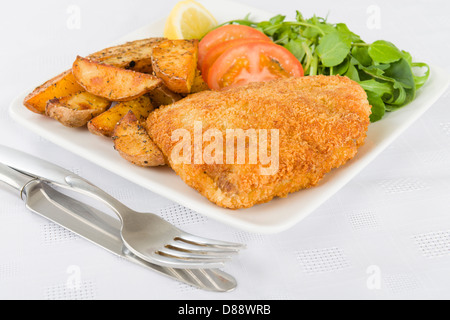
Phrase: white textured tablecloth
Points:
(386, 235)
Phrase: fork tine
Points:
(201, 249)
(200, 241)
(189, 256)
(173, 262)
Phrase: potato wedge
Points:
(76, 110)
(60, 86)
(135, 55)
(175, 63)
(162, 96)
(133, 143)
(104, 124)
(112, 83)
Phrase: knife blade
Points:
(101, 229)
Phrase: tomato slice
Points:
(226, 33)
(215, 52)
(253, 62)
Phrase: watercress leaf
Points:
(399, 98)
(314, 20)
(263, 26)
(308, 57)
(382, 66)
(245, 22)
(402, 73)
(377, 73)
(352, 73)
(363, 76)
(285, 28)
(310, 33)
(421, 80)
(277, 19)
(333, 49)
(377, 87)
(260, 29)
(384, 52)
(375, 70)
(361, 54)
(326, 28)
(342, 68)
(299, 16)
(378, 106)
(296, 48)
(345, 32)
(402, 95)
(407, 56)
(318, 28)
(282, 35)
(388, 107)
(270, 29)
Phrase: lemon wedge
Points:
(189, 20)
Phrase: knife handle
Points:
(13, 178)
(33, 166)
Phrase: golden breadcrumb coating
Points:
(321, 122)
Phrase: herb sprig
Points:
(385, 72)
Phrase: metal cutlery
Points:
(145, 234)
(101, 229)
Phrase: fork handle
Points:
(84, 186)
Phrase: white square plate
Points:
(273, 217)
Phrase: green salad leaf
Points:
(389, 75)
(384, 52)
(333, 48)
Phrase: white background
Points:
(391, 223)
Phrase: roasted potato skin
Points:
(112, 83)
(135, 55)
(104, 124)
(175, 63)
(76, 110)
(133, 143)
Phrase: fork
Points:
(155, 240)
(146, 235)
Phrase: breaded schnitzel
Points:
(319, 122)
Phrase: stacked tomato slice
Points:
(234, 55)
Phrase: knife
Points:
(100, 228)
